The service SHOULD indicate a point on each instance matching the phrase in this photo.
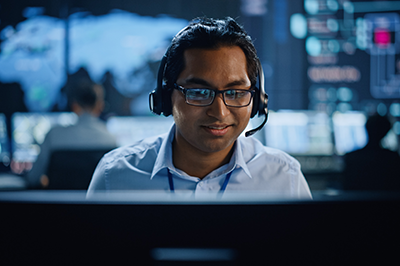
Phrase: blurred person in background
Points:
(86, 99)
(373, 168)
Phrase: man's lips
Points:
(217, 130)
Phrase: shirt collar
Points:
(164, 157)
(239, 157)
(86, 117)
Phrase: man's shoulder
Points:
(273, 170)
(60, 130)
(253, 148)
(147, 148)
(75, 136)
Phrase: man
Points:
(210, 72)
(86, 99)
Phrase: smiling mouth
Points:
(217, 130)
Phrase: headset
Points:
(160, 98)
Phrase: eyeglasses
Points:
(205, 97)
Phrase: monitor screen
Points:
(29, 131)
(299, 132)
(128, 129)
(390, 141)
(349, 131)
(255, 229)
(4, 141)
(120, 50)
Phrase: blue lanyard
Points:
(171, 181)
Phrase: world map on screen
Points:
(125, 44)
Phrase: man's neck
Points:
(199, 164)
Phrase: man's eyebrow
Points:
(236, 83)
(199, 81)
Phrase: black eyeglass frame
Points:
(216, 92)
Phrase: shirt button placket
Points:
(200, 186)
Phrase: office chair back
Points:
(73, 169)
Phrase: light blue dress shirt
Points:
(144, 166)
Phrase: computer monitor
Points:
(128, 129)
(4, 143)
(349, 131)
(299, 132)
(29, 131)
(171, 229)
(390, 141)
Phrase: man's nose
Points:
(218, 108)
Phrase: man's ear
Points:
(76, 108)
(99, 105)
(98, 108)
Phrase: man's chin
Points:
(217, 145)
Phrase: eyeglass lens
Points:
(206, 97)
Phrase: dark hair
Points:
(84, 93)
(208, 33)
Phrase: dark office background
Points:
(330, 57)
(271, 23)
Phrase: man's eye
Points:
(202, 93)
(240, 94)
(234, 93)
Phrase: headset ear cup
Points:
(154, 102)
(256, 103)
(160, 101)
(166, 101)
(160, 98)
(259, 103)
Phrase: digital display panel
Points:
(29, 131)
(349, 130)
(128, 129)
(4, 141)
(120, 50)
(352, 54)
(350, 133)
(300, 132)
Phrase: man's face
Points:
(212, 128)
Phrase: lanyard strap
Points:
(171, 181)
